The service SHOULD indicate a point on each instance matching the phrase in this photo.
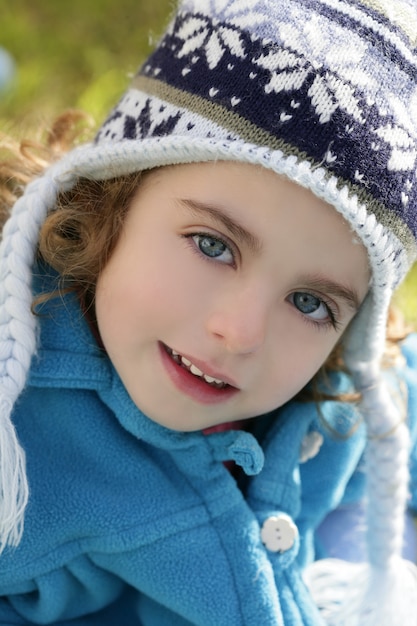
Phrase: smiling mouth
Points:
(195, 371)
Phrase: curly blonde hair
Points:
(21, 161)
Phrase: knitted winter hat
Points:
(322, 91)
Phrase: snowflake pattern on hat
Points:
(308, 95)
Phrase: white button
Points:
(278, 533)
(310, 446)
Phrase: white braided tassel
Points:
(358, 594)
(382, 592)
(13, 484)
(17, 346)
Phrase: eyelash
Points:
(226, 243)
(331, 311)
(317, 324)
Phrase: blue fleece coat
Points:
(129, 522)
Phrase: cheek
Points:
(308, 356)
(298, 354)
(145, 294)
(122, 300)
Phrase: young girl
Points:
(170, 442)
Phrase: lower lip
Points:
(193, 386)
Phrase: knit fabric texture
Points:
(327, 87)
(321, 91)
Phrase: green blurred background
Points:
(81, 54)
(73, 53)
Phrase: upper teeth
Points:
(195, 370)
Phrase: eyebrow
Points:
(319, 283)
(334, 289)
(220, 215)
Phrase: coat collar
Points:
(70, 357)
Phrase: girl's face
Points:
(226, 292)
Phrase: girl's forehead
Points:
(247, 188)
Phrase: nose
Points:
(240, 321)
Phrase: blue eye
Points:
(213, 248)
(310, 305)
